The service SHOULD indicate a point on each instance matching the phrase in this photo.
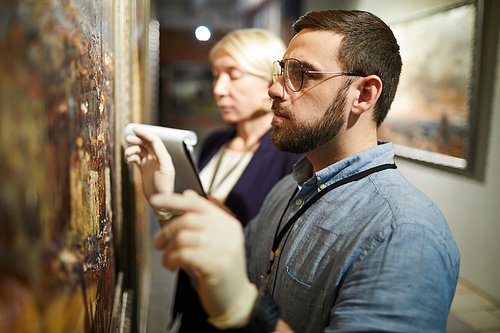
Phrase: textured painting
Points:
(56, 169)
(430, 117)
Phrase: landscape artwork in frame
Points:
(430, 118)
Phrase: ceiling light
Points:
(202, 33)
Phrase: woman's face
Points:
(239, 95)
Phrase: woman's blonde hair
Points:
(254, 50)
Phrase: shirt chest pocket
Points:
(301, 304)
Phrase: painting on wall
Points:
(432, 114)
(60, 146)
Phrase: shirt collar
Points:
(368, 158)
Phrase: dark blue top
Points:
(268, 165)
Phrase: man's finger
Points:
(189, 201)
(162, 238)
(187, 258)
(179, 259)
(168, 233)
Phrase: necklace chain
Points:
(211, 188)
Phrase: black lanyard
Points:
(278, 237)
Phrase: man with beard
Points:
(343, 244)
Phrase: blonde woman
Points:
(239, 165)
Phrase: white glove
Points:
(208, 244)
(157, 170)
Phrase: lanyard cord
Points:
(278, 237)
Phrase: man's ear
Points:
(368, 92)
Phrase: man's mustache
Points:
(283, 110)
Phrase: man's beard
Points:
(297, 138)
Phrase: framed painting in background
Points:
(434, 115)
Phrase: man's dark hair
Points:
(368, 46)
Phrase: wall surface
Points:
(56, 252)
(472, 207)
(63, 241)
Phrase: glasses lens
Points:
(277, 70)
(293, 74)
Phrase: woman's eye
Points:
(235, 74)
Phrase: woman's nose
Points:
(220, 86)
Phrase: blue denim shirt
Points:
(372, 255)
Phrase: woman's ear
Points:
(368, 92)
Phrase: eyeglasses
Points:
(294, 73)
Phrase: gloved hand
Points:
(157, 170)
(208, 244)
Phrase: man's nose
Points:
(277, 90)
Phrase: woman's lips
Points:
(224, 108)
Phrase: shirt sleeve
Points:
(402, 281)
